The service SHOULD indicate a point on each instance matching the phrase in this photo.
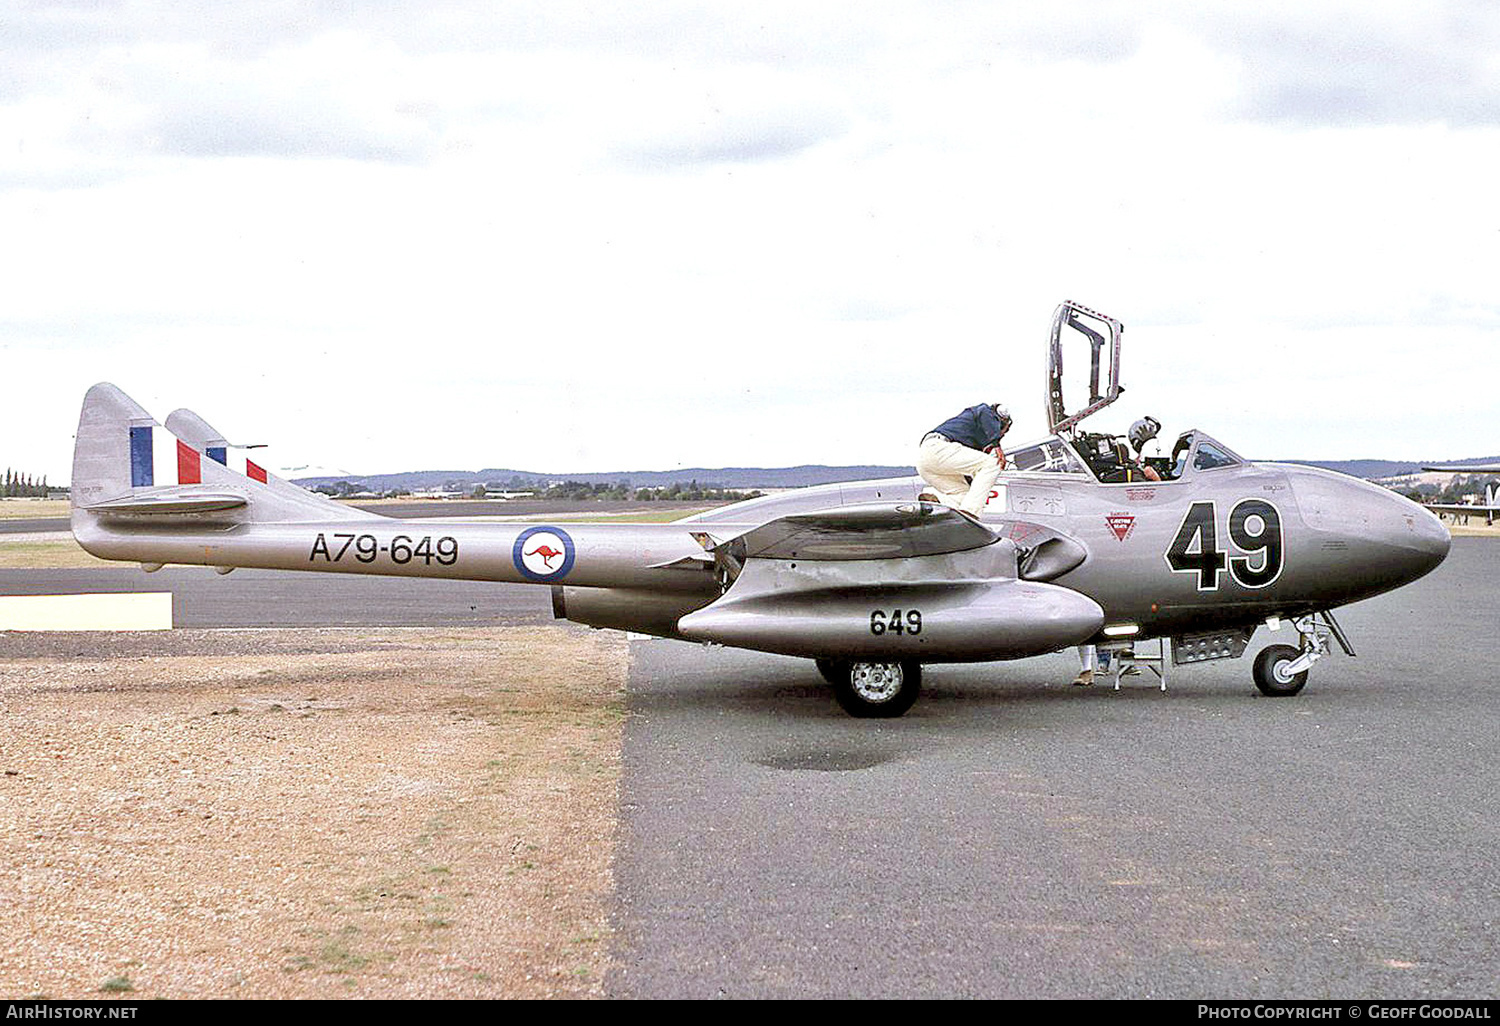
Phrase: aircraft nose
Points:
(1428, 539)
(1392, 539)
(1411, 539)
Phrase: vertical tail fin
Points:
(126, 465)
(210, 441)
(107, 453)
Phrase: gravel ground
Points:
(308, 813)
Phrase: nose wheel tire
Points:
(877, 689)
(1271, 675)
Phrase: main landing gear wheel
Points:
(1271, 674)
(833, 671)
(877, 689)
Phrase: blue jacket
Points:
(977, 427)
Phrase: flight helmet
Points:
(1142, 431)
(1004, 415)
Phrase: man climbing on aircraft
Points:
(961, 457)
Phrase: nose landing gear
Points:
(1281, 670)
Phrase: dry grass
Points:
(664, 516)
(45, 552)
(32, 509)
(309, 814)
(1475, 528)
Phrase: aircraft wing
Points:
(910, 580)
(1489, 508)
(876, 531)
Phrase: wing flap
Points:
(867, 531)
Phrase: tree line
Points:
(1459, 487)
(678, 491)
(23, 486)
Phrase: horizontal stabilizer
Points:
(175, 500)
(1473, 468)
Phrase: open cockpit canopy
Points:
(1070, 323)
(1108, 457)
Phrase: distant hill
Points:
(719, 477)
(1375, 469)
(756, 477)
(1367, 469)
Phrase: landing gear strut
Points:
(873, 689)
(1281, 670)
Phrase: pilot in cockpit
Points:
(1115, 458)
(1141, 432)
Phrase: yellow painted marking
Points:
(142, 611)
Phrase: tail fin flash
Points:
(114, 452)
(202, 435)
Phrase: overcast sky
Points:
(568, 236)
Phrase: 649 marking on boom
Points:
(895, 623)
(1255, 529)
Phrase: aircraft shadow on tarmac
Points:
(780, 688)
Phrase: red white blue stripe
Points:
(235, 459)
(158, 457)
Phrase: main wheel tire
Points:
(878, 689)
(833, 671)
(1270, 671)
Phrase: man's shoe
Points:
(1084, 678)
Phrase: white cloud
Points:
(563, 236)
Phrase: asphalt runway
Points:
(34, 525)
(520, 507)
(1015, 837)
(282, 598)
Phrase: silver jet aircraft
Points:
(867, 578)
(1491, 504)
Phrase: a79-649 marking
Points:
(366, 548)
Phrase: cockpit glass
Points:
(1210, 456)
(1050, 456)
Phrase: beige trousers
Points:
(944, 465)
